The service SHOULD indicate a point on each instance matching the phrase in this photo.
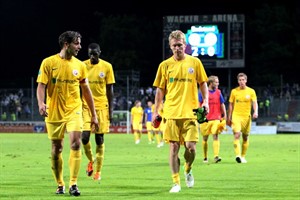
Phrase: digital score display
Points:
(218, 40)
(205, 40)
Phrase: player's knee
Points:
(75, 145)
(192, 150)
(85, 137)
(99, 139)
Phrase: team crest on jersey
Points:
(75, 72)
(101, 74)
(191, 70)
(247, 96)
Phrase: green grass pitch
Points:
(142, 171)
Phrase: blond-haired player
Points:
(241, 99)
(216, 118)
(177, 80)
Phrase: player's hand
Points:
(222, 126)
(43, 110)
(94, 124)
(201, 114)
(206, 107)
(228, 122)
(255, 116)
(156, 122)
(131, 128)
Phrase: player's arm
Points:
(223, 111)
(255, 109)
(159, 95)
(87, 94)
(230, 108)
(131, 118)
(204, 92)
(40, 94)
(223, 107)
(142, 118)
(110, 96)
(145, 116)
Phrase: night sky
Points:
(30, 29)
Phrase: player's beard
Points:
(72, 52)
(179, 54)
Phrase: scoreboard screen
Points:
(205, 41)
(217, 40)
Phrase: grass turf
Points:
(142, 171)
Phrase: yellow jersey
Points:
(242, 100)
(99, 75)
(62, 78)
(180, 80)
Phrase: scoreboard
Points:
(217, 40)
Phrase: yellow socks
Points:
(176, 178)
(245, 146)
(216, 147)
(74, 165)
(187, 168)
(237, 147)
(158, 138)
(99, 157)
(136, 136)
(88, 151)
(150, 136)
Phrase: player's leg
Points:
(171, 136)
(245, 146)
(216, 148)
(205, 134)
(74, 128)
(216, 143)
(236, 129)
(74, 161)
(56, 135)
(205, 148)
(103, 116)
(160, 133)
(57, 164)
(174, 163)
(245, 136)
(149, 132)
(85, 139)
(157, 136)
(237, 146)
(87, 147)
(140, 131)
(189, 155)
(135, 127)
(100, 149)
(191, 136)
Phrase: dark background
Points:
(130, 35)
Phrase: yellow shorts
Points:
(137, 126)
(57, 130)
(149, 126)
(181, 130)
(103, 119)
(210, 127)
(241, 124)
